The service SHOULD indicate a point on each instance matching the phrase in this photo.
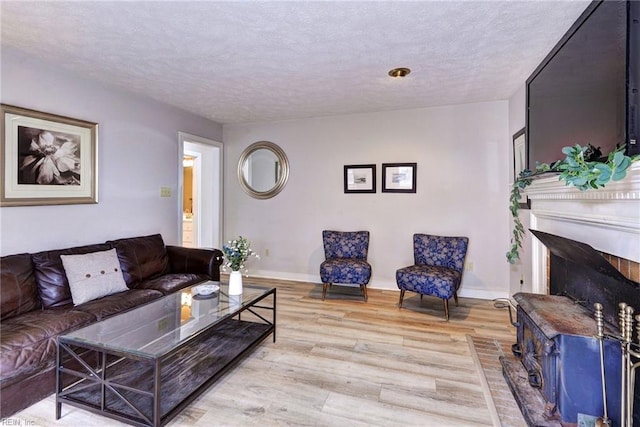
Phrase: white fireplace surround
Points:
(608, 219)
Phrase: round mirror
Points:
(263, 170)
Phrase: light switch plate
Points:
(165, 192)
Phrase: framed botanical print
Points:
(47, 159)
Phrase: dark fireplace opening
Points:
(578, 271)
(556, 352)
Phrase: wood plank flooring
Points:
(344, 362)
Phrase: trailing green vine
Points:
(580, 168)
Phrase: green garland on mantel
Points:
(576, 169)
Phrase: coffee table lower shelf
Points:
(150, 392)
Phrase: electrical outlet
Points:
(266, 252)
(165, 192)
(468, 266)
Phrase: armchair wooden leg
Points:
(455, 297)
(401, 298)
(446, 308)
(363, 288)
(324, 290)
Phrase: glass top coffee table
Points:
(146, 365)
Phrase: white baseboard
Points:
(296, 277)
(485, 294)
(488, 294)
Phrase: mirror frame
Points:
(284, 167)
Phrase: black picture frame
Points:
(520, 161)
(399, 177)
(360, 178)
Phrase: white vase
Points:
(235, 283)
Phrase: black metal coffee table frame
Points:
(150, 391)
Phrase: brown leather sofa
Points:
(36, 305)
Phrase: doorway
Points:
(201, 190)
(190, 198)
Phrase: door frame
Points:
(190, 138)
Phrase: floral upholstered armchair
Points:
(345, 262)
(439, 262)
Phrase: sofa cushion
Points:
(93, 275)
(28, 341)
(118, 303)
(169, 283)
(141, 258)
(17, 286)
(51, 277)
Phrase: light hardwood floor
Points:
(344, 362)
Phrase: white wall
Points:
(520, 273)
(462, 154)
(137, 154)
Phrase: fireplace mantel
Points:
(608, 219)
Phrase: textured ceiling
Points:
(250, 61)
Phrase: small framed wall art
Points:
(360, 179)
(399, 177)
(47, 159)
(520, 162)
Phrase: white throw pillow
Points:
(93, 275)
